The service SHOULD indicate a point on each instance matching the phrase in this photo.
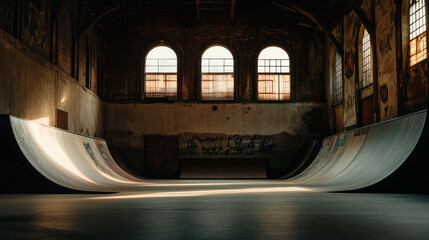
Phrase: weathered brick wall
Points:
(246, 37)
(129, 119)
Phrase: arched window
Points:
(417, 31)
(366, 76)
(217, 74)
(273, 74)
(161, 73)
(365, 89)
(338, 78)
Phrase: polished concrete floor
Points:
(215, 215)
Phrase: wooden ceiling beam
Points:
(284, 7)
(362, 15)
(64, 6)
(316, 21)
(232, 12)
(214, 2)
(95, 20)
(197, 4)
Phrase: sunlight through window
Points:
(161, 73)
(217, 74)
(273, 74)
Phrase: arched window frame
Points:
(365, 53)
(417, 41)
(142, 70)
(287, 49)
(198, 82)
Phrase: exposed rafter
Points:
(316, 21)
(95, 20)
(284, 7)
(64, 6)
(197, 3)
(361, 14)
(232, 12)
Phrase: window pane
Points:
(217, 86)
(217, 78)
(161, 73)
(273, 86)
(417, 31)
(366, 60)
(273, 74)
(159, 85)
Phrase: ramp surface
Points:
(347, 161)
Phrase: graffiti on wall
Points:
(229, 145)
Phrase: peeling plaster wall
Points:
(386, 57)
(230, 119)
(351, 29)
(32, 88)
(385, 50)
(413, 80)
(288, 124)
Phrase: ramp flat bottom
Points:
(277, 215)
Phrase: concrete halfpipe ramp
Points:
(37, 158)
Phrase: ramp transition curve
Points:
(38, 158)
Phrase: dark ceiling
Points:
(311, 14)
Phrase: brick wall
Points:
(245, 37)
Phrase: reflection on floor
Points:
(219, 215)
